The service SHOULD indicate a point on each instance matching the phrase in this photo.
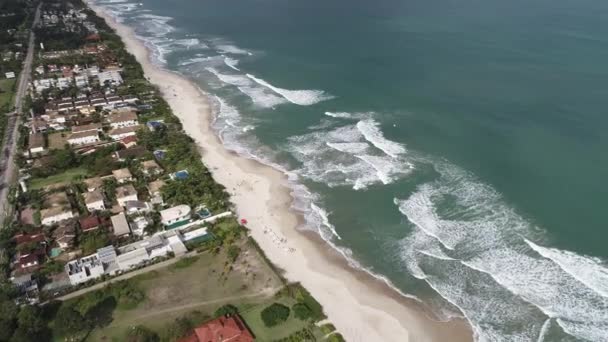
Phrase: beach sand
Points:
(361, 307)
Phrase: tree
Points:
(226, 310)
(275, 314)
(69, 321)
(301, 311)
(233, 252)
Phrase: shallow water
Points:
(455, 148)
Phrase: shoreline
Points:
(362, 307)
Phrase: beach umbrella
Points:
(243, 221)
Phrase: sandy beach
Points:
(361, 307)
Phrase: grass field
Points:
(58, 140)
(202, 284)
(6, 94)
(64, 177)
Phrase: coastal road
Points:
(9, 146)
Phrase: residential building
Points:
(149, 248)
(84, 269)
(151, 168)
(56, 209)
(83, 138)
(120, 225)
(94, 200)
(135, 207)
(133, 152)
(139, 225)
(93, 183)
(110, 77)
(154, 188)
(129, 142)
(176, 215)
(122, 175)
(125, 194)
(123, 119)
(123, 132)
(94, 127)
(90, 223)
(222, 329)
(36, 143)
(65, 234)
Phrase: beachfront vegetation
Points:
(275, 314)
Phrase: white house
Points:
(154, 188)
(94, 200)
(83, 138)
(56, 209)
(112, 77)
(174, 215)
(123, 119)
(123, 132)
(125, 194)
(84, 269)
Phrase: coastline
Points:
(361, 307)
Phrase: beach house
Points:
(56, 209)
(94, 200)
(120, 226)
(123, 118)
(175, 216)
(84, 269)
(125, 194)
(122, 175)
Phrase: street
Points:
(9, 147)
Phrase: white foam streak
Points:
(231, 63)
(299, 97)
(372, 133)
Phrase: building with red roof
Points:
(22, 238)
(90, 223)
(223, 329)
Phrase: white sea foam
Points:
(588, 270)
(299, 97)
(231, 63)
(496, 272)
(343, 115)
(372, 133)
(231, 49)
(342, 156)
(324, 219)
(259, 95)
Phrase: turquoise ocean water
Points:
(455, 148)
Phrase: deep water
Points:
(457, 148)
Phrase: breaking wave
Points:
(476, 252)
(299, 97)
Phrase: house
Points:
(154, 125)
(90, 223)
(120, 225)
(151, 168)
(110, 77)
(84, 269)
(57, 208)
(139, 225)
(149, 248)
(36, 143)
(65, 234)
(129, 142)
(134, 207)
(93, 183)
(24, 238)
(133, 153)
(176, 215)
(94, 200)
(122, 175)
(154, 188)
(94, 127)
(126, 193)
(222, 329)
(83, 138)
(107, 256)
(123, 132)
(123, 119)
(9, 75)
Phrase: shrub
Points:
(140, 333)
(335, 338)
(275, 314)
(184, 262)
(301, 311)
(226, 310)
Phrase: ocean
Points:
(454, 149)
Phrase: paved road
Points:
(9, 147)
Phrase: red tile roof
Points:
(26, 238)
(223, 329)
(89, 223)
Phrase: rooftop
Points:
(123, 116)
(89, 223)
(93, 196)
(93, 183)
(123, 130)
(120, 224)
(36, 140)
(125, 191)
(123, 173)
(85, 128)
(154, 187)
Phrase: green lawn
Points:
(201, 284)
(6, 93)
(64, 177)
